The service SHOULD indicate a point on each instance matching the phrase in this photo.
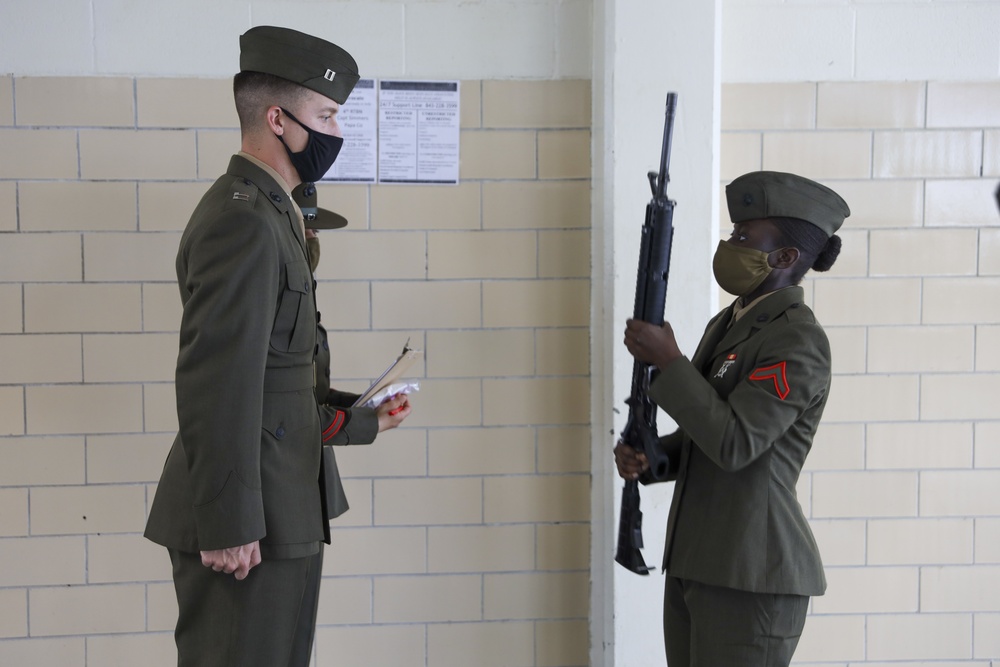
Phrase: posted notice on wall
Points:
(358, 118)
(418, 132)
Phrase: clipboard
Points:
(402, 364)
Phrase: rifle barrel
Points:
(668, 131)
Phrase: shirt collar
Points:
(277, 178)
(740, 310)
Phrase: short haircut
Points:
(256, 92)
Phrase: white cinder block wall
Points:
(902, 487)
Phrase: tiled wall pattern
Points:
(902, 484)
(467, 540)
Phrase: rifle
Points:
(650, 296)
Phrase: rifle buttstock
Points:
(630, 531)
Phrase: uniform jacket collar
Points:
(757, 316)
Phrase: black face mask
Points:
(321, 151)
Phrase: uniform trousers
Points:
(266, 620)
(712, 626)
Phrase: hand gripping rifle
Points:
(650, 295)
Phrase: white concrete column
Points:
(642, 50)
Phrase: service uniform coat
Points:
(246, 462)
(747, 405)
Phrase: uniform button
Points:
(795, 305)
(763, 318)
(326, 346)
(747, 199)
(276, 197)
(280, 432)
(247, 181)
(319, 316)
(306, 286)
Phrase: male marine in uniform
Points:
(240, 502)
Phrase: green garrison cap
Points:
(315, 217)
(773, 194)
(303, 59)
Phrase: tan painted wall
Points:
(467, 541)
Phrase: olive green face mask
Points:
(739, 270)
(312, 247)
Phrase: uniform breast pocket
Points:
(294, 327)
(723, 374)
(721, 367)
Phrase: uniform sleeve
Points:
(232, 277)
(348, 426)
(790, 375)
(341, 399)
